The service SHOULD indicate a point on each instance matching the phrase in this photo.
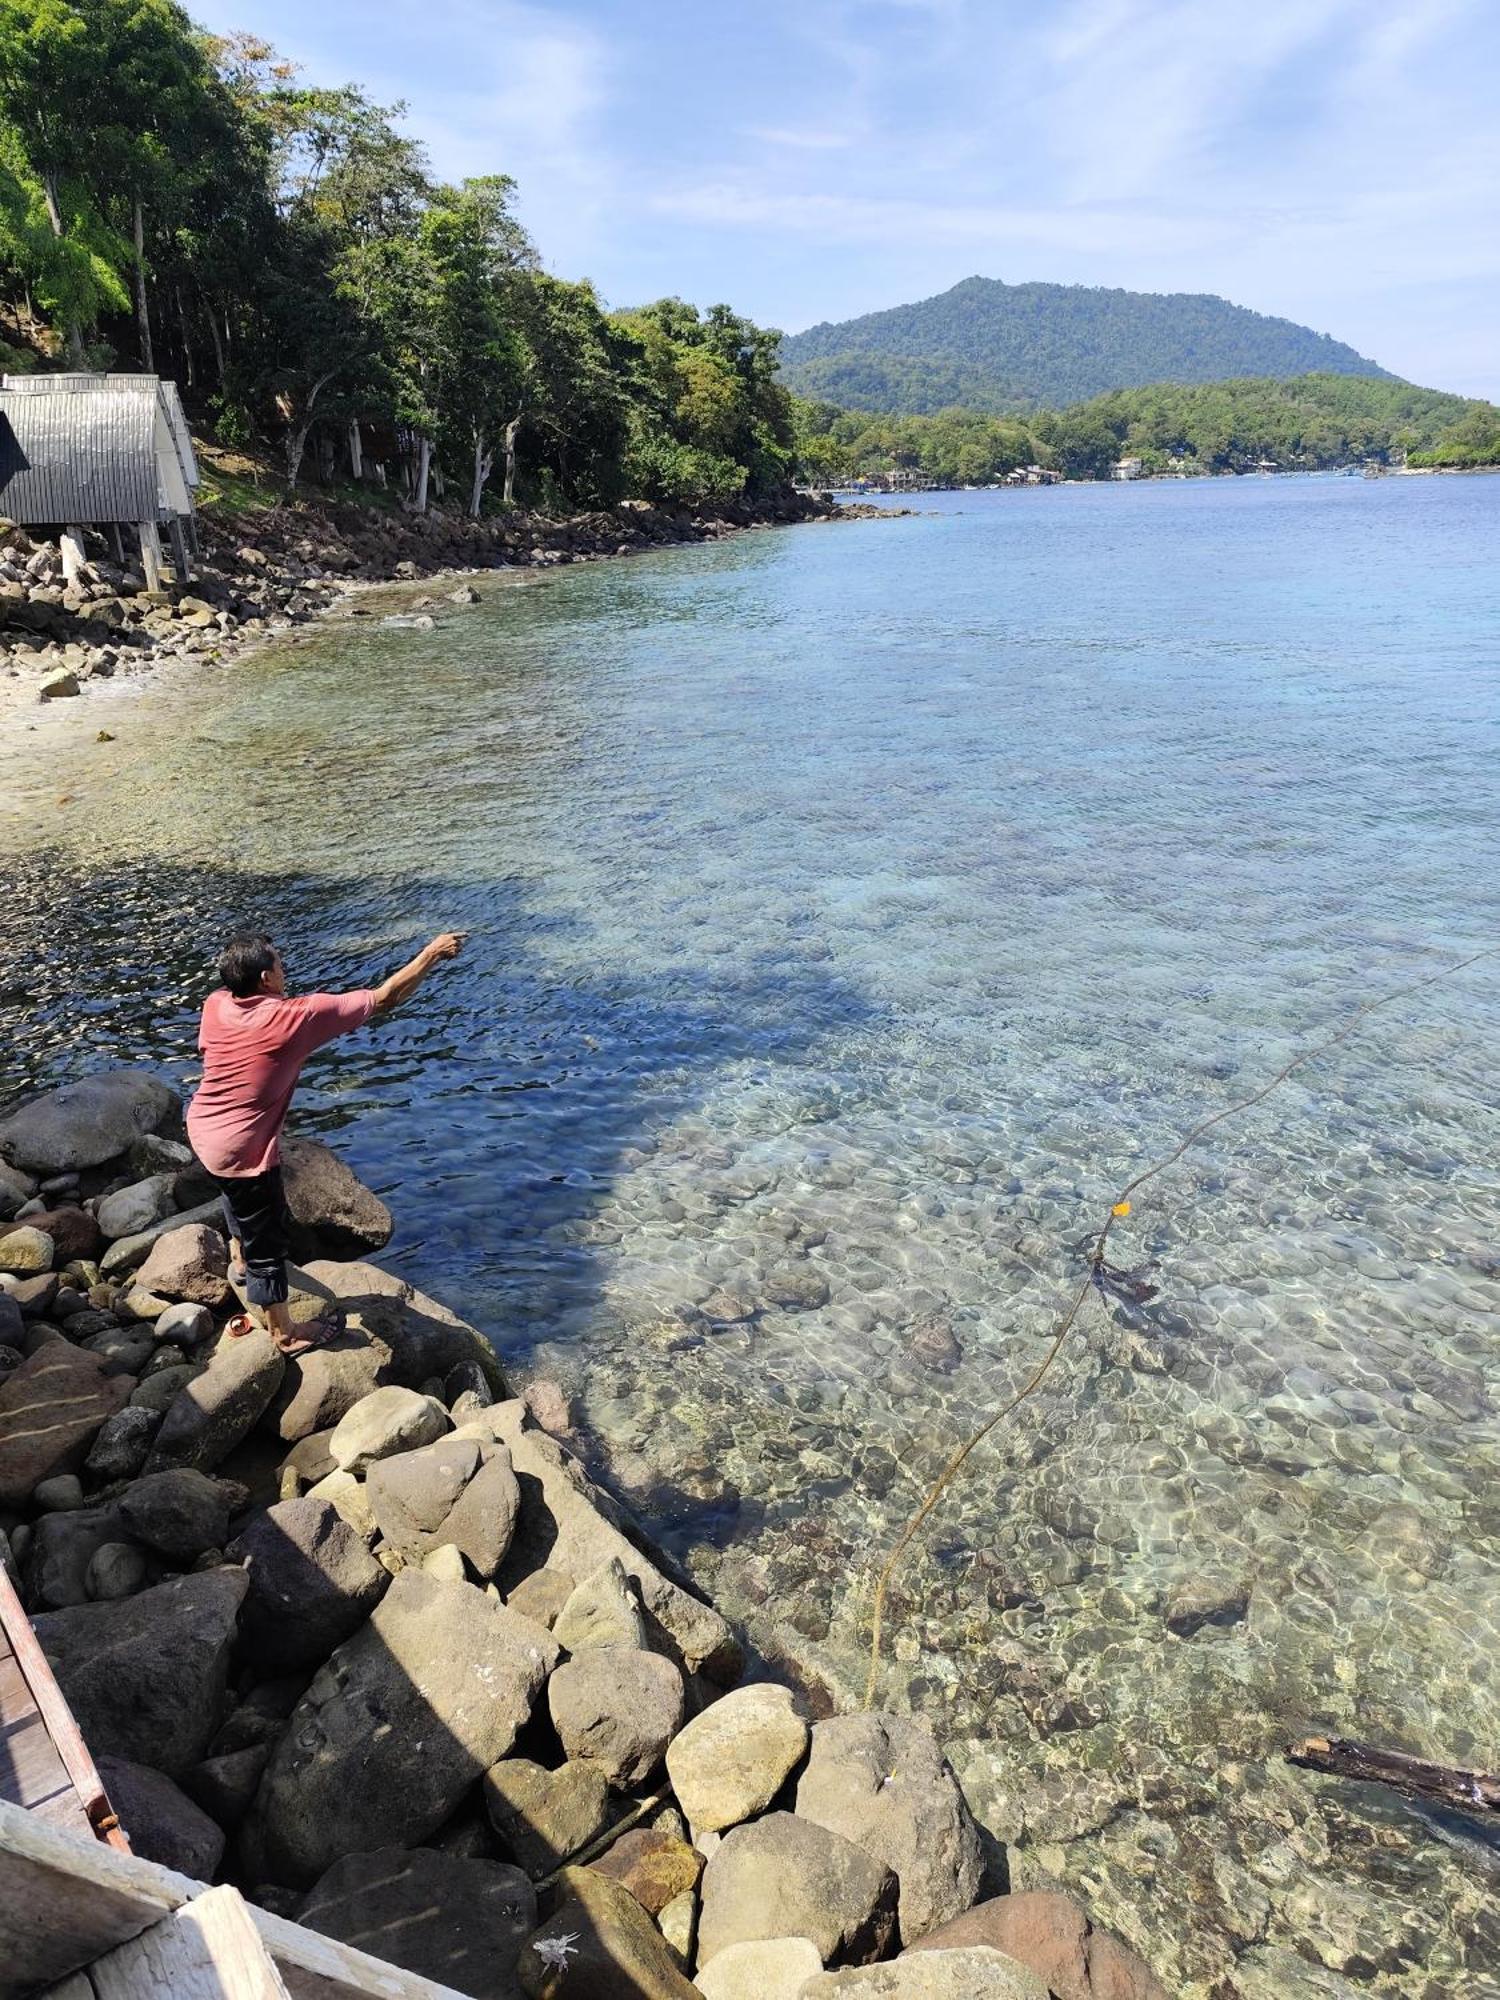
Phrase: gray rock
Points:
(425, 1339)
(61, 1549)
(321, 1387)
(730, 1762)
(145, 1678)
(34, 1295)
(333, 1213)
(312, 1583)
(446, 1563)
(123, 1442)
(225, 1786)
(387, 1421)
(614, 1948)
(60, 1495)
(1049, 1933)
(568, 1524)
(159, 1388)
(185, 1324)
(134, 1208)
(542, 1596)
(601, 1612)
(654, 1864)
(219, 1407)
(882, 1782)
(189, 1263)
(162, 1824)
(761, 1969)
(482, 1521)
(12, 1320)
(85, 1123)
(51, 1409)
(545, 1816)
(405, 1717)
(151, 1154)
(443, 1916)
(15, 1190)
(25, 1251)
(617, 1709)
(130, 1251)
(116, 1569)
(123, 1351)
(412, 1495)
(58, 686)
(180, 1513)
(781, 1876)
(347, 1494)
(974, 1974)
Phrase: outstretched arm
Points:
(401, 985)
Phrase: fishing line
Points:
(1096, 1278)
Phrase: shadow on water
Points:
(494, 1112)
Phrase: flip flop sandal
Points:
(308, 1334)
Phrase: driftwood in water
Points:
(1464, 1791)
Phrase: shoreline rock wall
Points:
(352, 1630)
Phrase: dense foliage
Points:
(179, 202)
(1313, 422)
(1005, 348)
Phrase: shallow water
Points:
(855, 908)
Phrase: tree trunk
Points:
(218, 341)
(54, 216)
(1464, 1791)
(508, 490)
(424, 471)
(356, 450)
(142, 311)
(483, 461)
(187, 338)
(296, 444)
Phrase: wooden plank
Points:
(207, 1950)
(65, 1901)
(66, 1736)
(1464, 1791)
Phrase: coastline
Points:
(266, 1587)
(271, 575)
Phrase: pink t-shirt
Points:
(253, 1052)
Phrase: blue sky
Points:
(1336, 161)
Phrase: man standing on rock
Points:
(254, 1038)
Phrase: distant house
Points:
(98, 451)
(1128, 468)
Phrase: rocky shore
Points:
(262, 573)
(355, 1631)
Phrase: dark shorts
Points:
(256, 1211)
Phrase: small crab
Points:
(554, 1952)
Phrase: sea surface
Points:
(854, 908)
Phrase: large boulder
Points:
(618, 1709)
(51, 1410)
(425, 1338)
(732, 1760)
(136, 1207)
(405, 1717)
(761, 1969)
(601, 1611)
(782, 1876)
(975, 1974)
(458, 1921)
(333, 1213)
(1047, 1931)
(882, 1782)
(189, 1263)
(180, 1513)
(121, 1448)
(216, 1409)
(323, 1385)
(545, 1816)
(566, 1523)
(162, 1823)
(654, 1865)
(599, 1944)
(312, 1583)
(85, 1123)
(16, 1189)
(61, 1551)
(145, 1677)
(73, 1230)
(389, 1420)
(129, 1251)
(455, 1493)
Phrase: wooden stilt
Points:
(150, 553)
(119, 541)
(73, 557)
(180, 550)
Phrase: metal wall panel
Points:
(77, 455)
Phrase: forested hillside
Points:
(1303, 425)
(185, 203)
(1012, 348)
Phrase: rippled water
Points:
(854, 908)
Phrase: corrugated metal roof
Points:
(82, 448)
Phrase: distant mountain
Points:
(990, 346)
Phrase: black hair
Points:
(244, 960)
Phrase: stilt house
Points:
(99, 451)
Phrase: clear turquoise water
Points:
(854, 908)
